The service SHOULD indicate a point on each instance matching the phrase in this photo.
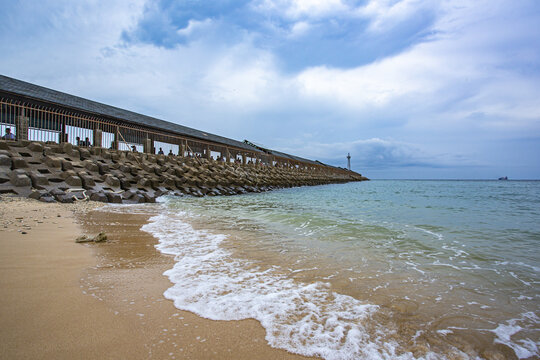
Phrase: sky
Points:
(411, 89)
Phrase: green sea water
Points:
(381, 269)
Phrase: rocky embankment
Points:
(66, 173)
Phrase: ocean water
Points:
(373, 270)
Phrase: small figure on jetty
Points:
(80, 142)
(170, 153)
(160, 152)
(133, 148)
(9, 135)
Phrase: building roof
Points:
(281, 154)
(43, 94)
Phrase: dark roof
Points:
(280, 154)
(44, 94)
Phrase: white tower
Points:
(349, 161)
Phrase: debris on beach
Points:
(101, 237)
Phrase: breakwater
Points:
(66, 173)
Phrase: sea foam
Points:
(308, 319)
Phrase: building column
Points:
(116, 143)
(21, 126)
(98, 135)
(63, 134)
(208, 152)
(147, 146)
(181, 149)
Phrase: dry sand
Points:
(62, 300)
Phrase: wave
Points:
(307, 319)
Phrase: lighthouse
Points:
(349, 161)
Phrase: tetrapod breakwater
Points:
(66, 173)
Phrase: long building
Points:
(42, 114)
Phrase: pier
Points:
(83, 149)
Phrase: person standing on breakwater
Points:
(133, 148)
(160, 152)
(8, 135)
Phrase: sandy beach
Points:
(63, 300)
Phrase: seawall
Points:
(66, 173)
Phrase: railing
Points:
(52, 123)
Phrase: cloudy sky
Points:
(411, 88)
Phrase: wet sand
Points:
(63, 300)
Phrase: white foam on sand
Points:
(307, 319)
(524, 349)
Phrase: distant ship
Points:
(503, 178)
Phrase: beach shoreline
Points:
(67, 300)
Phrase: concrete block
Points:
(98, 196)
(53, 162)
(18, 163)
(66, 147)
(138, 198)
(56, 192)
(103, 168)
(75, 153)
(5, 161)
(144, 182)
(87, 181)
(114, 198)
(155, 183)
(85, 154)
(66, 198)
(168, 182)
(90, 166)
(74, 181)
(112, 181)
(36, 194)
(67, 165)
(64, 175)
(35, 147)
(149, 198)
(125, 184)
(38, 179)
(20, 179)
(126, 195)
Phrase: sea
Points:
(382, 269)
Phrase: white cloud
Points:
(194, 26)
(385, 14)
(449, 78)
(475, 79)
(297, 9)
(315, 8)
(299, 29)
